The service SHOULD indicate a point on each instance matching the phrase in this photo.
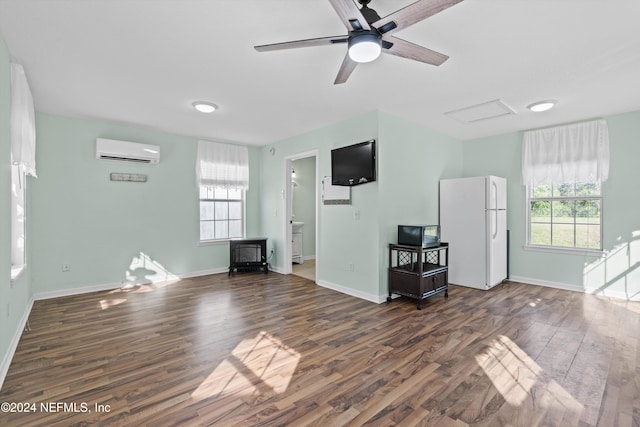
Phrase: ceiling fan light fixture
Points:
(365, 47)
(540, 106)
(205, 107)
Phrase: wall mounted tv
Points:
(354, 164)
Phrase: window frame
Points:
(18, 255)
(556, 248)
(243, 218)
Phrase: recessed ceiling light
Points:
(205, 107)
(542, 105)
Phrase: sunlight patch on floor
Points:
(107, 303)
(143, 275)
(521, 381)
(259, 365)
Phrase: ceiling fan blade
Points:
(322, 41)
(409, 50)
(348, 11)
(347, 67)
(413, 13)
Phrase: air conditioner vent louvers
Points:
(126, 159)
(111, 149)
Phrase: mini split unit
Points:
(111, 149)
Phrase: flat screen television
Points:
(354, 164)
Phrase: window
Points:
(222, 173)
(17, 220)
(565, 216)
(23, 162)
(221, 213)
(563, 168)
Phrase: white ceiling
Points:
(143, 62)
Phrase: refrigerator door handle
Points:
(494, 188)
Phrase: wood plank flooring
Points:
(273, 350)
(307, 269)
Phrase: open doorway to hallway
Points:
(303, 214)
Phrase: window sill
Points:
(568, 251)
(16, 272)
(213, 242)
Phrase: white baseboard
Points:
(308, 257)
(276, 269)
(575, 288)
(13, 345)
(352, 292)
(546, 283)
(115, 285)
(38, 296)
(204, 272)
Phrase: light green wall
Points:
(114, 232)
(411, 161)
(304, 202)
(616, 272)
(15, 297)
(342, 240)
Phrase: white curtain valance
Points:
(23, 123)
(222, 165)
(572, 153)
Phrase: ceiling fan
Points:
(369, 35)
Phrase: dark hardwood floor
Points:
(268, 350)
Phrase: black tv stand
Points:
(248, 255)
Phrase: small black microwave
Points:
(419, 235)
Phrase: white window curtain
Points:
(23, 123)
(572, 153)
(222, 165)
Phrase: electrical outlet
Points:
(352, 267)
(8, 310)
(66, 268)
(356, 214)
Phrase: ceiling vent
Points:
(480, 112)
(111, 149)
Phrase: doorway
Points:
(301, 199)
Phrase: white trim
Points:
(308, 257)
(13, 345)
(116, 285)
(287, 205)
(212, 242)
(76, 291)
(352, 292)
(561, 249)
(564, 250)
(204, 272)
(573, 287)
(277, 269)
(547, 283)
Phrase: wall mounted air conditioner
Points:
(111, 149)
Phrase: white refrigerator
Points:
(473, 220)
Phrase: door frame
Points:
(288, 206)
